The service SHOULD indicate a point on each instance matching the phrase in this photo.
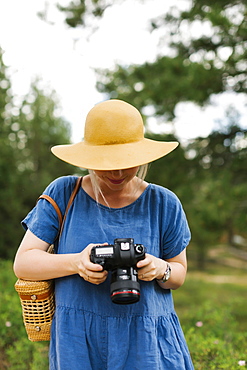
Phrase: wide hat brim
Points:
(114, 156)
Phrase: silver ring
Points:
(87, 278)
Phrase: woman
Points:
(89, 331)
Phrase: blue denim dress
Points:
(89, 332)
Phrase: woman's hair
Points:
(141, 173)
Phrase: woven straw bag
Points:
(38, 307)
(37, 297)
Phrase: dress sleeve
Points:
(42, 220)
(177, 234)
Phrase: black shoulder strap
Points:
(61, 218)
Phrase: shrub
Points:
(16, 351)
(213, 317)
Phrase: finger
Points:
(141, 263)
(146, 274)
(95, 279)
(98, 275)
(94, 267)
(144, 262)
(142, 275)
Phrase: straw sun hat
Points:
(113, 140)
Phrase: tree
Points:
(218, 206)
(207, 55)
(217, 38)
(38, 128)
(223, 156)
(82, 13)
(209, 177)
(26, 163)
(173, 171)
(197, 68)
(9, 204)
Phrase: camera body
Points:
(121, 258)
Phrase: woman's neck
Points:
(115, 198)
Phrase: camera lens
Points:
(125, 289)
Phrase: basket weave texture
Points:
(38, 307)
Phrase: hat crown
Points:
(113, 122)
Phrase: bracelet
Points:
(166, 275)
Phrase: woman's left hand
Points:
(151, 268)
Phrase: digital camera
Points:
(121, 258)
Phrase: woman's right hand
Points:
(32, 262)
(89, 271)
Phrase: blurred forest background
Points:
(209, 174)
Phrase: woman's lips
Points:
(116, 182)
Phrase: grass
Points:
(213, 316)
(16, 351)
(212, 312)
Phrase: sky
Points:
(64, 59)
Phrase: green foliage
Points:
(214, 320)
(9, 205)
(27, 131)
(164, 171)
(221, 158)
(228, 22)
(209, 177)
(77, 13)
(16, 351)
(161, 84)
(207, 55)
(39, 127)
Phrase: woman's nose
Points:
(117, 174)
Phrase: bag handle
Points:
(71, 199)
(61, 218)
(57, 209)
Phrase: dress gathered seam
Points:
(127, 315)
